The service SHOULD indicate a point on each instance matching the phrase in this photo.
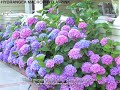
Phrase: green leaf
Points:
(42, 64)
(77, 64)
(94, 85)
(15, 53)
(57, 48)
(44, 48)
(40, 58)
(67, 48)
(111, 66)
(48, 70)
(117, 78)
(57, 70)
(99, 77)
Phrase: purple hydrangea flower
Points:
(21, 62)
(117, 60)
(31, 20)
(17, 23)
(65, 33)
(65, 28)
(1, 55)
(40, 26)
(82, 25)
(58, 59)
(25, 32)
(31, 39)
(70, 70)
(114, 71)
(94, 58)
(16, 35)
(42, 72)
(30, 73)
(107, 59)
(104, 41)
(74, 53)
(51, 10)
(25, 49)
(64, 87)
(34, 66)
(61, 39)
(82, 44)
(95, 68)
(90, 53)
(53, 34)
(74, 34)
(86, 67)
(35, 45)
(102, 70)
(70, 21)
(87, 80)
(42, 87)
(29, 61)
(20, 42)
(95, 41)
(50, 63)
(102, 81)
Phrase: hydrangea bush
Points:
(63, 57)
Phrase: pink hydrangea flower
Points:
(31, 21)
(61, 39)
(51, 10)
(82, 25)
(20, 43)
(50, 63)
(74, 53)
(25, 32)
(117, 60)
(95, 68)
(102, 70)
(29, 61)
(65, 33)
(74, 34)
(65, 28)
(107, 59)
(104, 41)
(86, 67)
(16, 35)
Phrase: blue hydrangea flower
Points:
(53, 34)
(58, 59)
(30, 74)
(42, 72)
(42, 35)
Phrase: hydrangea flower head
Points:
(90, 53)
(30, 73)
(82, 44)
(102, 70)
(40, 26)
(74, 34)
(102, 81)
(16, 35)
(95, 68)
(34, 66)
(65, 28)
(61, 39)
(35, 45)
(25, 32)
(95, 41)
(29, 61)
(86, 67)
(64, 87)
(31, 20)
(107, 59)
(25, 49)
(42, 72)
(51, 10)
(70, 70)
(82, 25)
(114, 71)
(70, 21)
(53, 34)
(94, 58)
(74, 53)
(65, 33)
(117, 60)
(50, 63)
(104, 41)
(20, 43)
(21, 62)
(58, 59)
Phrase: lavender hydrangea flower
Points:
(21, 62)
(42, 72)
(82, 44)
(107, 59)
(42, 87)
(17, 23)
(31, 20)
(1, 55)
(94, 58)
(40, 26)
(49, 29)
(34, 66)
(95, 41)
(16, 35)
(64, 87)
(61, 39)
(35, 45)
(102, 81)
(42, 35)
(86, 67)
(117, 60)
(65, 33)
(102, 70)
(82, 25)
(74, 34)
(29, 61)
(25, 49)
(70, 21)
(74, 53)
(53, 34)
(70, 70)
(50, 63)
(58, 59)
(65, 28)
(25, 32)
(90, 53)
(87, 80)
(31, 39)
(104, 41)
(114, 71)
(95, 68)
(30, 74)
